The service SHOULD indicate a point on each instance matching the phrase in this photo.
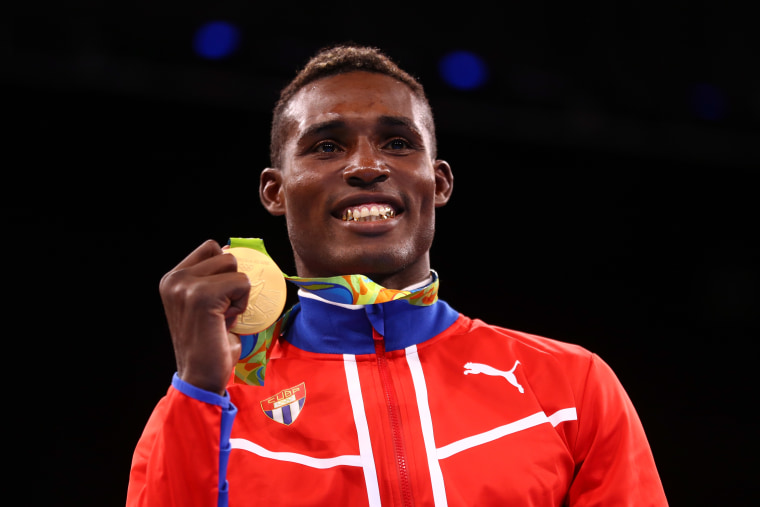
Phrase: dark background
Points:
(600, 198)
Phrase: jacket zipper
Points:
(391, 404)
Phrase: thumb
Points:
(238, 303)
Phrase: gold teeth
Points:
(368, 213)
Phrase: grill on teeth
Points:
(368, 213)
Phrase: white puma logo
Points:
(489, 370)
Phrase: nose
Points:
(364, 175)
(364, 168)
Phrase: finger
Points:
(203, 262)
(182, 292)
(208, 249)
(221, 292)
(221, 262)
(233, 291)
(237, 291)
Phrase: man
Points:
(375, 392)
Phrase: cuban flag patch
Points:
(285, 406)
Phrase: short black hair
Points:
(340, 59)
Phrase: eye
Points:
(398, 144)
(326, 147)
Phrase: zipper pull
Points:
(379, 342)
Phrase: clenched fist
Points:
(202, 296)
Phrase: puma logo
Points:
(489, 370)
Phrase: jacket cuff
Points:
(200, 394)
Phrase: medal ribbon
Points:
(346, 289)
(350, 289)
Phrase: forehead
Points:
(354, 96)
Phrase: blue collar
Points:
(318, 325)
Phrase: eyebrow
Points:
(384, 121)
(325, 126)
(399, 121)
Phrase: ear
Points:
(444, 182)
(270, 191)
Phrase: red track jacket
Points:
(395, 404)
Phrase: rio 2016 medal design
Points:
(268, 291)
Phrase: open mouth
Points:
(368, 213)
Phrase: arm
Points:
(182, 454)
(202, 297)
(615, 465)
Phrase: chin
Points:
(375, 257)
(380, 266)
(357, 262)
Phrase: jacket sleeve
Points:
(614, 462)
(181, 456)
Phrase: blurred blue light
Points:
(708, 102)
(463, 70)
(216, 40)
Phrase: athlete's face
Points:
(358, 186)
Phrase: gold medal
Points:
(268, 291)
